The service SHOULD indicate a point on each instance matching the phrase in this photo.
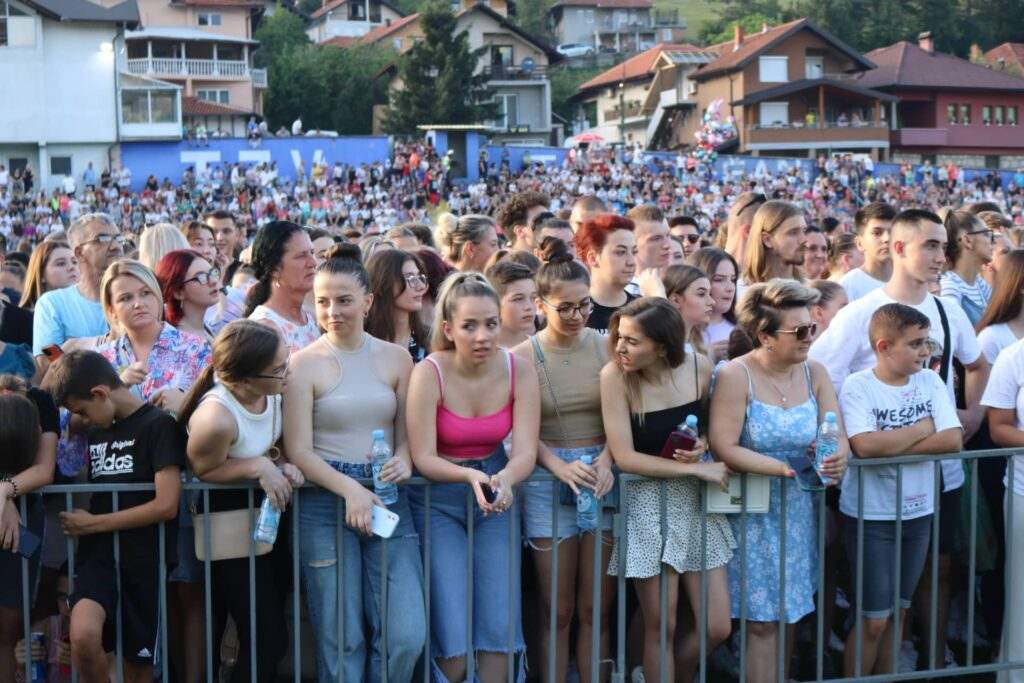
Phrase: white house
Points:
(57, 67)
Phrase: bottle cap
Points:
(378, 434)
(691, 421)
(587, 459)
(830, 417)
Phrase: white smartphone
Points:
(384, 522)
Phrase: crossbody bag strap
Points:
(539, 358)
(946, 346)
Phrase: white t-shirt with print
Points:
(994, 339)
(857, 283)
(870, 405)
(1005, 390)
(844, 348)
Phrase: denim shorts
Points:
(189, 569)
(493, 573)
(879, 562)
(539, 499)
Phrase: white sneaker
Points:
(907, 657)
(638, 675)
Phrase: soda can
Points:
(38, 668)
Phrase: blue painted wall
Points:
(170, 159)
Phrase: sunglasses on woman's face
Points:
(802, 332)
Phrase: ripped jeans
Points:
(356, 568)
(495, 609)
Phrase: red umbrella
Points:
(588, 137)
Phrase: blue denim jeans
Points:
(356, 567)
(492, 571)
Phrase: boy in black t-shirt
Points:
(130, 442)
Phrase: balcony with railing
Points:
(666, 17)
(212, 68)
(801, 135)
(632, 109)
(515, 72)
(611, 22)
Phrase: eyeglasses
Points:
(991, 234)
(802, 332)
(206, 277)
(691, 238)
(567, 311)
(280, 375)
(106, 239)
(415, 280)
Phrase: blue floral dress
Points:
(775, 432)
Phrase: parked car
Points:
(575, 50)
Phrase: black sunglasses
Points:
(802, 332)
(691, 238)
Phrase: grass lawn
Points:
(695, 12)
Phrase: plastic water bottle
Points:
(826, 444)
(266, 523)
(381, 454)
(586, 503)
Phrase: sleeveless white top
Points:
(257, 432)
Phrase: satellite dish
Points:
(528, 65)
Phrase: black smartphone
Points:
(806, 476)
(489, 495)
(28, 542)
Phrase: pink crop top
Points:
(473, 437)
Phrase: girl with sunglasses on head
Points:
(344, 387)
(651, 387)
(234, 422)
(399, 286)
(191, 286)
(463, 401)
(568, 357)
(785, 398)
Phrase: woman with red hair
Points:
(607, 247)
(190, 286)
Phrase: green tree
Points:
(440, 83)
(564, 83)
(328, 87)
(532, 17)
(279, 32)
(724, 30)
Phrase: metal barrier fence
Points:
(620, 672)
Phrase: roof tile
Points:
(194, 106)
(904, 64)
(611, 4)
(637, 66)
(1011, 53)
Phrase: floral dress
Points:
(776, 432)
(175, 362)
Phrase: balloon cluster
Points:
(715, 132)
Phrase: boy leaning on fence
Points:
(130, 442)
(896, 408)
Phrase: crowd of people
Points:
(549, 324)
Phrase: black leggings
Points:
(231, 597)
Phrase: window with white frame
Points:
(814, 66)
(218, 96)
(774, 114)
(507, 111)
(773, 69)
(17, 27)
(141, 105)
(209, 19)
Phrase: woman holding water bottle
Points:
(649, 388)
(568, 357)
(233, 414)
(346, 389)
(786, 397)
(463, 401)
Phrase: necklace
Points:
(781, 393)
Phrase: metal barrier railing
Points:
(620, 671)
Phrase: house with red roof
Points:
(1008, 57)
(614, 25)
(204, 48)
(347, 20)
(628, 102)
(514, 61)
(950, 109)
(792, 90)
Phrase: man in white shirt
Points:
(918, 247)
(872, 224)
(654, 247)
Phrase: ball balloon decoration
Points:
(714, 132)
